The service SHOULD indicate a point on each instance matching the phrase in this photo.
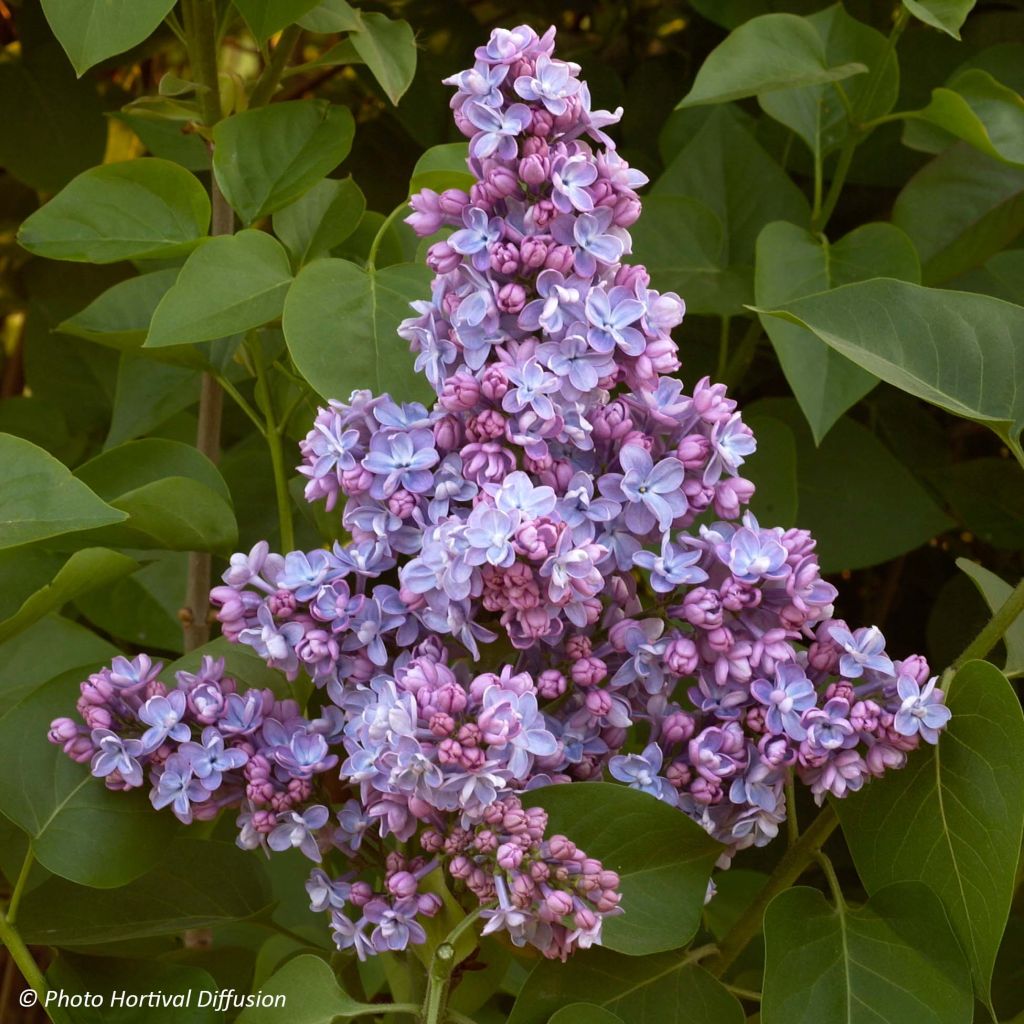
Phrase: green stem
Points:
(240, 401)
(818, 186)
(835, 188)
(743, 993)
(263, 90)
(833, 880)
(435, 1004)
(371, 256)
(19, 953)
(723, 347)
(273, 435)
(19, 885)
(792, 865)
(995, 628)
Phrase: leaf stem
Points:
(263, 90)
(19, 885)
(833, 879)
(435, 1004)
(19, 953)
(723, 347)
(743, 993)
(792, 865)
(272, 433)
(371, 256)
(994, 629)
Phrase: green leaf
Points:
(147, 395)
(85, 570)
(340, 321)
(120, 316)
(893, 959)
(862, 505)
(333, 16)
(442, 167)
(389, 49)
(1001, 276)
(92, 30)
(946, 15)
(960, 209)
(773, 471)
(40, 498)
(982, 112)
(584, 1013)
(638, 990)
(321, 219)
(996, 591)
(50, 648)
(139, 209)
(791, 262)
(41, 102)
(774, 51)
(816, 113)
(953, 817)
(174, 497)
(662, 857)
(957, 350)
(311, 994)
(265, 17)
(164, 138)
(80, 830)
(102, 977)
(195, 884)
(987, 496)
(142, 609)
(266, 158)
(228, 285)
(725, 170)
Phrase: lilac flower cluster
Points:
(203, 744)
(548, 577)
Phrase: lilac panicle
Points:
(546, 504)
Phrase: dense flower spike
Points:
(550, 578)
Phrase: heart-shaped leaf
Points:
(893, 959)
(953, 817)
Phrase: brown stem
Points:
(201, 31)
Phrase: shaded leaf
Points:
(40, 102)
(120, 316)
(442, 167)
(995, 592)
(861, 504)
(196, 883)
(791, 262)
(85, 570)
(265, 17)
(80, 830)
(638, 990)
(773, 471)
(147, 395)
(321, 219)
(959, 210)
